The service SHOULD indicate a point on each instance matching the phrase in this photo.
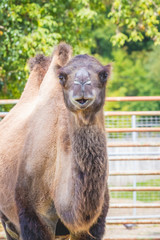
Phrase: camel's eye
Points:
(103, 75)
(62, 79)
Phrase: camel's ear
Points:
(105, 73)
(62, 54)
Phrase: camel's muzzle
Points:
(82, 94)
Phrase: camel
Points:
(53, 156)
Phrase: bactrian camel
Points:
(53, 159)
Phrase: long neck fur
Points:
(89, 172)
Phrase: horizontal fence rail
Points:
(133, 221)
(135, 205)
(134, 154)
(131, 189)
(135, 159)
(140, 129)
(135, 217)
(133, 145)
(136, 113)
(108, 99)
(132, 99)
(134, 173)
(8, 101)
(109, 113)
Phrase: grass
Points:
(144, 196)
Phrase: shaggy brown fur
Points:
(56, 162)
(41, 61)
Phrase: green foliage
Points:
(134, 20)
(134, 76)
(103, 45)
(135, 71)
(28, 27)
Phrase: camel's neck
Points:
(89, 172)
(82, 120)
(88, 147)
(90, 166)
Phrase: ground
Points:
(119, 231)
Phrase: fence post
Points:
(134, 139)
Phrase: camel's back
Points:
(13, 129)
(30, 129)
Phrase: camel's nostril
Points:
(81, 101)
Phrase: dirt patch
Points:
(138, 232)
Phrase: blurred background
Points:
(125, 33)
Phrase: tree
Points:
(135, 20)
(136, 74)
(28, 27)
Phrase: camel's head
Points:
(84, 82)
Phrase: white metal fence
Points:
(134, 154)
(135, 167)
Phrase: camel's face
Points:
(84, 81)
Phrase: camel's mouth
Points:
(82, 101)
